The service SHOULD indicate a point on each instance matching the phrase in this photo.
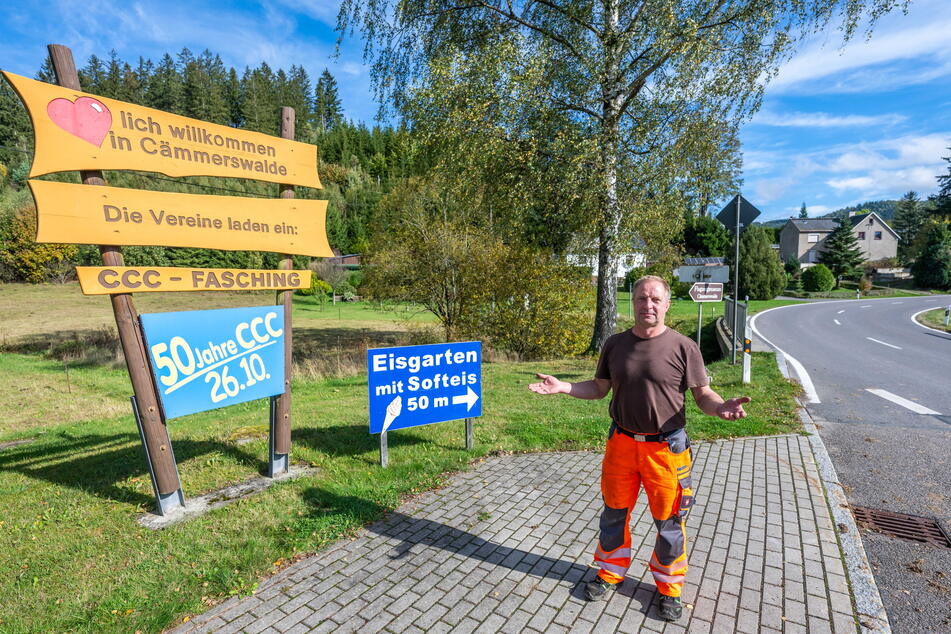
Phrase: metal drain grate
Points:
(910, 527)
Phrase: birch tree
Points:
(632, 74)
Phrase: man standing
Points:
(647, 369)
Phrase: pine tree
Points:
(942, 200)
(761, 273)
(932, 269)
(803, 213)
(327, 109)
(259, 106)
(909, 218)
(164, 87)
(842, 253)
(92, 76)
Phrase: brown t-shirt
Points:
(648, 379)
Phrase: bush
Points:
(24, 259)
(348, 292)
(818, 279)
(532, 306)
(356, 279)
(318, 289)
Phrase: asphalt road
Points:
(890, 453)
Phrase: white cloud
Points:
(887, 182)
(813, 210)
(923, 33)
(823, 120)
(889, 167)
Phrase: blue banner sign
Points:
(419, 385)
(205, 359)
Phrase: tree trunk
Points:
(605, 318)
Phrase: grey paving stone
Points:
(760, 540)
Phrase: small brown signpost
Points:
(702, 292)
(707, 292)
(75, 130)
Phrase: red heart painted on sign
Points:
(87, 118)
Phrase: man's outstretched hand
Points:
(547, 385)
(732, 409)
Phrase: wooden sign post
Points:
(75, 130)
(280, 433)
(168, 488)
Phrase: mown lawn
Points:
(934, 319)
(76, 559)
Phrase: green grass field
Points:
(76, 559)
(934, 319)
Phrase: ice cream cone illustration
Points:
(392, 411)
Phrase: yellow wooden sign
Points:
(78, 131)
(84, 214)
(108, 280)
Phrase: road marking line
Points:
(837, 322)
(898, 302)
(866, 306)
(883, 343)
(918, 323)
(840, 312)
(904, 402)
(807, 387)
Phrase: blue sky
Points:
(839, 125)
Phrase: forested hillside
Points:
(357, 165)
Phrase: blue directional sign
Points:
(419, 385)
(205, 359)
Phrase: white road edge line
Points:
(840, 312)
(918, 323)
(883, 343)
(866, 306)
(904, 402)
(837, 322)
(807, 387)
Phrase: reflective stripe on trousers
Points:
(663, 468)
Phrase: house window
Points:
(878, 235)
(813, 237)
(861, 235)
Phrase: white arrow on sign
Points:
(469, 398)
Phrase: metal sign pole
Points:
(736, 275)
(167, 501)
(630, 299)
(384, 454)
(699, 321)
(468, 433)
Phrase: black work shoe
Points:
(670, 608)
(595, 589)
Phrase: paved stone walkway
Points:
(507, 546)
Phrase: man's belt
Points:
(645, 437)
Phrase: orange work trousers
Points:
(663, 468)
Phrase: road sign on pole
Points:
(737, 214)
(419, 385)
(703, 274)
(701, 292)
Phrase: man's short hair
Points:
(653, 278)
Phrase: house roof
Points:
(813, 224)
(855, 220)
